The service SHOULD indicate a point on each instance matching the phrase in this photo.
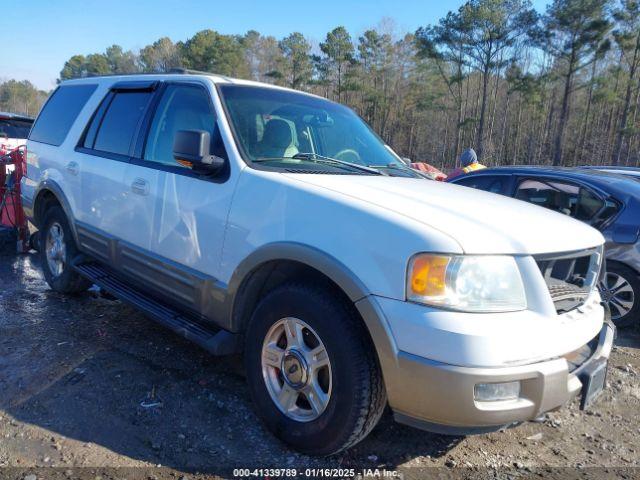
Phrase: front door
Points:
(190, 210)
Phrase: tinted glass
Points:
(588, 205)
(14, 128)
(181, 108)
(611, 207)
(90, 136)
(60, 112)
(121, 121)
(557, 196)
(487, 183)
(566, 198)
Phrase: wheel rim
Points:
(56, 249)
(296, 369)
(618, 293)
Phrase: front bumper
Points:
(439, 397)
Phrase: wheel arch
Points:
(49, 193)
(622, 262)
(275, 263)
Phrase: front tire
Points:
(312, 370)
(57, 250)
(620, 289)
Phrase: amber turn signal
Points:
(427, 276)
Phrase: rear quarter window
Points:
(59, 113)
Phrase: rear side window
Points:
(558, 196)
(120, 122)
(59, 113)
(574, 200)
(588, 205)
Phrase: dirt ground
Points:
(75, 372)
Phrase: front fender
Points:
(307, 255)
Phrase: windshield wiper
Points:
(334, 161)
(314, 157)
(398, 166)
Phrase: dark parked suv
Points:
(608, 201)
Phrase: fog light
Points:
(494, 392)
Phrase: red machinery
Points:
(12, 220)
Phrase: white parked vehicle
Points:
(14, 129)
(256, 218)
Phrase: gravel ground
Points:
(75, 372)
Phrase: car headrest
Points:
(277, 133)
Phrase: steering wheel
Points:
(350, 154)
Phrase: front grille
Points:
(570, 277)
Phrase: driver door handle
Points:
(73, 168)
(140, 187)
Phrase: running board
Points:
(212, 339)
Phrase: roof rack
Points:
(182, 71)
(188, 71)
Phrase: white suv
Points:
(254, 218)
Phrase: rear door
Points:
(108, 208)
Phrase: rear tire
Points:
(57, 250)
(351, 388)
(621, 291)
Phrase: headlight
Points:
(470, 283)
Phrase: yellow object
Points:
(427, 276)
(472, 167)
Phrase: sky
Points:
(40, 35)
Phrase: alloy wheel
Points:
(618, 293)
(56, 249)
(296, 369)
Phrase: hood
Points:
(480, 222)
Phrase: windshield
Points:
(14, 128)
(273, 126)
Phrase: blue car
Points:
(608, 201)
(633, 172)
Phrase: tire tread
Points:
(371, 391)
(73, 282)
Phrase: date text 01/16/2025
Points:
(316, 472)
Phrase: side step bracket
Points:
(212, 339)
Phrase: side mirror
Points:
(191, 148)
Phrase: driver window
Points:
(182, 107)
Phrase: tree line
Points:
(21, 97)
(521, 87)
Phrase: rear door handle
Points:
(140, 186)
(73, 168)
